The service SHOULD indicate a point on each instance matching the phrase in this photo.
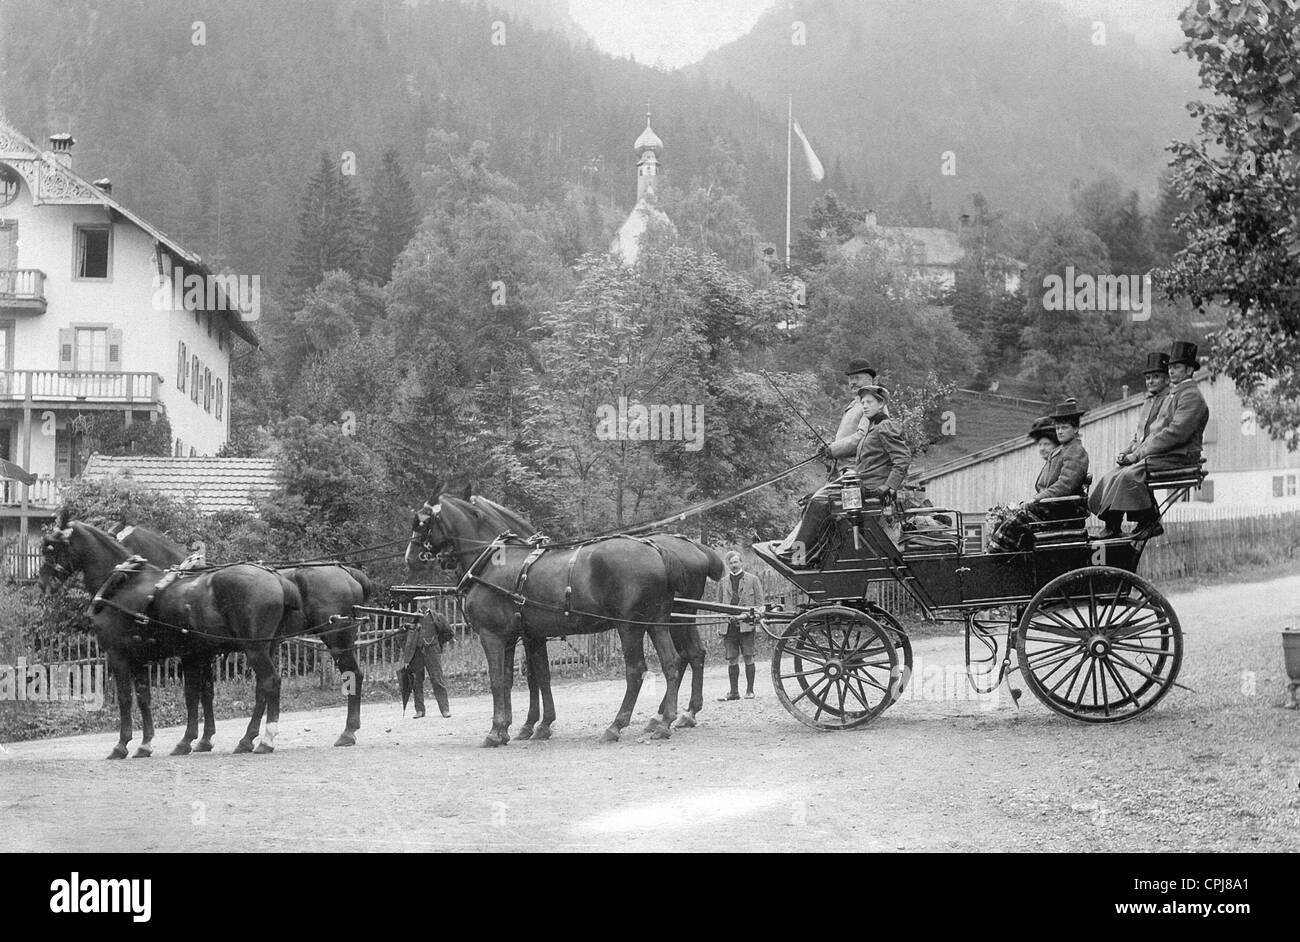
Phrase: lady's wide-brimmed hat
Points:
(1044, 427)
(1157, 362)
(1184, 353)
(878, 392)
(1067, 411)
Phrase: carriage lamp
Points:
(1291, 659)
(850, 493)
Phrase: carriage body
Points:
(1094, 641)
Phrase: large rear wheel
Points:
(1099, 645)
(836, 668)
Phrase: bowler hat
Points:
(859, 365)
(1157, 362)
(1066, 411)
(1043, 427)
(1184, 353)
(880, 392)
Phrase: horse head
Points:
(58, 562)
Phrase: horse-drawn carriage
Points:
(1095, 641)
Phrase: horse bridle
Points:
(444, 557)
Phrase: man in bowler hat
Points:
(1170, 436)
(423, 650)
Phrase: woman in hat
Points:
(882, 459)
(1172, 438)
(1064, 474)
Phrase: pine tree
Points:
(331, 232)
(393, 216)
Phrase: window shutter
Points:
(66, 338)
(1277, 485)
(114, 350)
(180, 365)
(220, 390)
(207, 390)
(194, 377)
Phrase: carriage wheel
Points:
(836, 668)
(901, 641)
(1100, 645)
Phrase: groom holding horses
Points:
(423, 650)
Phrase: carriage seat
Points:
(930, 530)
(1170, 478)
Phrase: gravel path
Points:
(1214, 768)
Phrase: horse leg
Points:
(269, 680)
(190, 672)
(534, 687)
(539, 666)
(142, 696)
(690, 651)
(667, 651)
(632, 640)
(120, 668)
(259, 707)
(345, 660)
(499, 678)
(206, 696)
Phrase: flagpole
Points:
(789, 121)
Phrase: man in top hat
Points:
(1171, 434)
(860, 373)
(882, 460)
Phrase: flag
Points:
(10, 470)
(815, 168)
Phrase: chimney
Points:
(104, 183)
(61, 145)
(962, 222)
(869, 218)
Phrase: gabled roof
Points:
(211, 484)
(77, 190)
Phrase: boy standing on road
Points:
(739, 587)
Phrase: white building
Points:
(82, 329)
(933, 255)
(626, 243)
(1249, 473)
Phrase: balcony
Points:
(22, 290)
(46, 492)
(83, 390)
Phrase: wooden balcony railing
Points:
(22, 289)
(55, 386)
(46, 492)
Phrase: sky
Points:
(674, 33)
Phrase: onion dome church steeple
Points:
(626, 243)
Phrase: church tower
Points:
(648, 147)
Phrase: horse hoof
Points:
(119, 752)
(244, 745)
(143, 752)
(203, 745)
(543, 732)
(346, 739)
(492, 740)
(661, 733)
(610, 735)
(651, 726)
(525, 733)
(183, 748)
(262, 749)
(685, 721)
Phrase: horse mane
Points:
(516, 520)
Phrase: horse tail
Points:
(367, 587)
(713, 561)
(291, 621)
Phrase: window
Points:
(194, 378)
(92, 250)
(207, 390)
(1285, 485)
(91, 350)
(180, 449)
(9, 185)
(182, 365)
(217, 405)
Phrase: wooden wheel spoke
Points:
(1072, 674)
(1154, 678)
(1119, 681)
(801, 655)
(800, 674)
(1060, 658)
(860, 695)
(1140, 649)
(1049, 613)
(1141, 630)
(1135, 611)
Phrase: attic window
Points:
(92, 251)
(8, 185)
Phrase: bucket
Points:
(1291, 653)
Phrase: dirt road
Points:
(1216, 768)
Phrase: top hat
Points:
(1157, 362)
(859, 365)
(1067, 411)
(880, 392)
(1043, 427)
(1183, 352)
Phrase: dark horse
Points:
(617, 582)
(196, 615)
(693, 565)
(328, 590)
